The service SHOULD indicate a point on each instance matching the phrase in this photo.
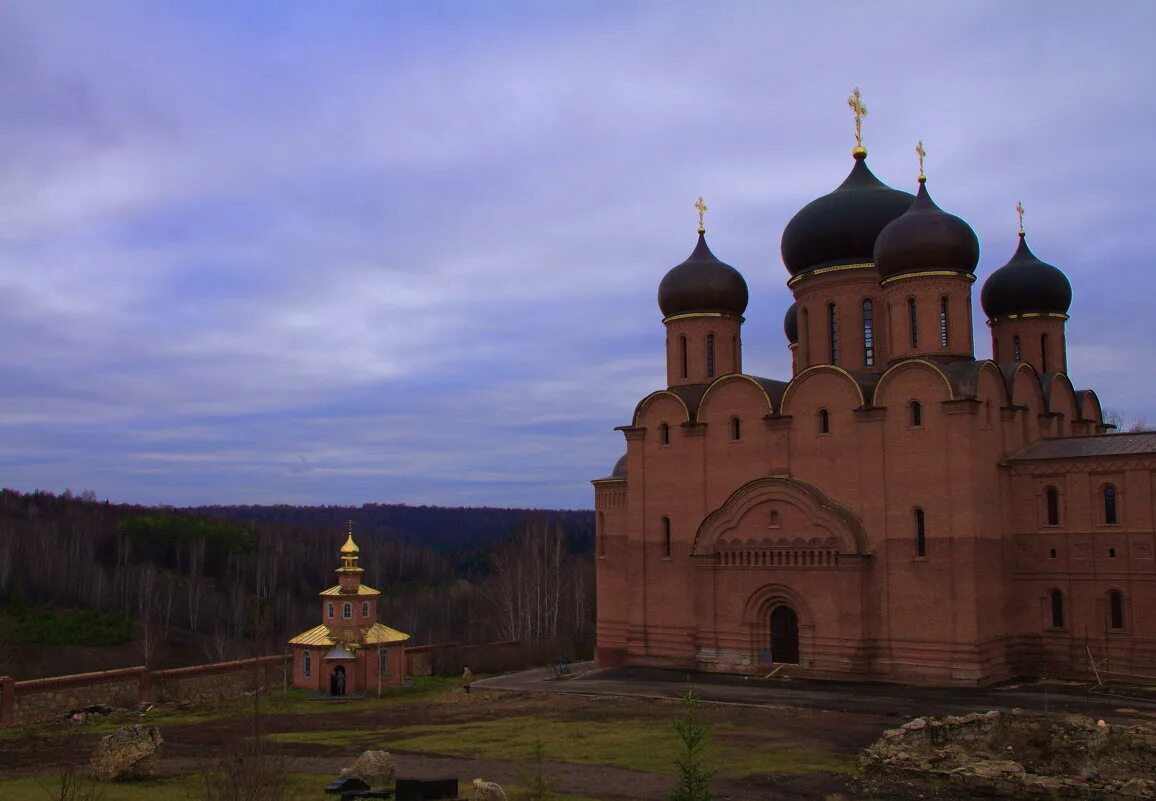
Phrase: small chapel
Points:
(350, 652)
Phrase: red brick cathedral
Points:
(897, 510)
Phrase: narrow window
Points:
(1044, 352)
(1111, 553)
(664, 434)
(682, 354)
(914, 323)
(1116, 609)
(1017, 351)
(920, 534)
(774, 517)
(1109, 504)
(833, 328)
(1052, 553)
(824, 422)
(995, 351)
(916, 414)
(736, 354)
(329, 610)
(365, 609)
(943, 322)
(805, 337)
(1052, 498)
(1057, 609)
(736, 428)
(306, 664)
(601, 534)
(383, 662)
(666, 536)
(347, 611)
(868, 334)
(710, 355)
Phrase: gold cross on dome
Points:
(349, 523)
(1020, 212)
(855, 101)
(702, 207)
(922, 152)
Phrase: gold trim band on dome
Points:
(688, 315)
(1029, 315)
(927, 274)
(824, 270)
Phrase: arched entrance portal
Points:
(784, 635)
(337, 681)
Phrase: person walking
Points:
(467, 679)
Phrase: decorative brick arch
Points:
(841, 522)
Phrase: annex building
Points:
(898, 509)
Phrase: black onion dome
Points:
(840, 228)
(791, 324)
(925, 237)
(1025, 285)
(702, 283)
(619, 468)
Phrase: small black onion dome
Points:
(925, 237)
(840, 228)
(702, 283)
(1025, 285)
(619, 468)
(791, 324)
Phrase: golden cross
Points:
(1020, 212)
(350, 524)
(702, 207)
(920, 150)
(855, 101)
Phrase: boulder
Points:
(375, 768)
(1139, 788)
(488, 791)
(127, 753)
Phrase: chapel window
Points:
(920, 534)
(1110, 504)
(824, 421)
(1057, 609)
(666, 536)
(775, 517)
(916, 414)
(1111, 553)
(1043, 353)
(833, 329)
(682, 354)
(1116, 609)
(1052, 502)
(601, 534)
(911, 312)
(306, 664)
(329, 610)
(868, 334)
(710, 355)
(943, 322)
(995, 351)
(365, 609)
(805, 336)
(664, 434)
(347, 611)
(736, 428)
(1017, 351)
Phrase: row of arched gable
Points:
(1015, 385)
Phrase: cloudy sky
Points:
(408, 251)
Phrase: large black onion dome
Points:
(925, 237)
(840, 228)
(791, 324)
(702, 283)
(619, 468)
(1025, 285)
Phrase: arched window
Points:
(306, 664)
(329, 610)
(1052, 501)
(1110, 504)
(736, 352)
(1111, 553)
(943, 322)
(682, 355)
(1044, 352)
(1052, 553)
(1057, 609)
(601, 534)
(824, 422)
(916, 414)
(868, 334)
(736, 428)
(710, 355)
(911, 311)
(664, 434)
(775, 517)
(666, 536)
(1017, 351)
(833, 330)
(995, 351)
(347, 611)
(920, 534)
(365, 608)
(805, 336)
(1116, 609)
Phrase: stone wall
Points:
(220, 681)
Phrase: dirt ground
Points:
(186, 745)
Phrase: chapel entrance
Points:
(337, 681)
(784, 635)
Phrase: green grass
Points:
(639, 744)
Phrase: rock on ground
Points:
(127, 753)
(488, 791)
(375, 768)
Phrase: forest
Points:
(175, 586)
